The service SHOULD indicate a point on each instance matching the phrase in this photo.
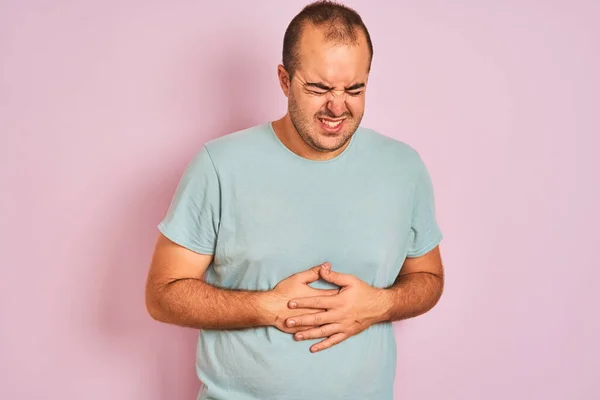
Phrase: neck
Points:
(289, 136)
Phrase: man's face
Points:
(326, 100)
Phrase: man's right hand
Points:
(295, 286)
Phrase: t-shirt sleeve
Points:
(425, 230)
(192, 219)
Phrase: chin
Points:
(329, 142)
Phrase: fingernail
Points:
(293, 304)
(299, 337)
(314, 349)
(291, 322)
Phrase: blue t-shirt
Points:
(267, 213)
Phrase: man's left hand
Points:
(356, 307)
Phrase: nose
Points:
(337, 103)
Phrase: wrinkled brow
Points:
(322, 86)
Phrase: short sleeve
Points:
(425, 231)
(192, 219)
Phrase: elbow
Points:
(154, 304)
(154, 311)
(439, 290)
(435, 289)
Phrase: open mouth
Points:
(330, 125)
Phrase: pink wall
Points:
(103, 104)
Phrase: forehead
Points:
(331, 61)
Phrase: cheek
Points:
(356, 106)
(312, 106)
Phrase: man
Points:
(293, 245)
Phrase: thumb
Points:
(334, 277)
(310, 275)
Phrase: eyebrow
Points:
(325, 87)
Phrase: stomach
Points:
(265, 363)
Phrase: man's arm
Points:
(416, 290)
(177, 294)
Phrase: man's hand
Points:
(296, 286)
(356, 307)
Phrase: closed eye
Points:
(321, 93)
(319, 89)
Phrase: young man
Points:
(294, 244)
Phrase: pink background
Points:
(102, 105)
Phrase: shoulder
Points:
(391, 150)
(239, 142)
(234, 148)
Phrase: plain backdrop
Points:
(103, 103)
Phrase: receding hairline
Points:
(338, 23)
(334, 33)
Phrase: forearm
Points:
(411, 295)
(197, 304)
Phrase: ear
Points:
(284, 79)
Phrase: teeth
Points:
(331, 124)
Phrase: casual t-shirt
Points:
(267, 213)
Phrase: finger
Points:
(314, 319)
(320, 302)
(336, 277)
(297, 329)
(325, 292)
(329, 342)
(318, 332)
(310, 275)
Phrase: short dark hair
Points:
(342, 24)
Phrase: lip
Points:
(329, 129)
